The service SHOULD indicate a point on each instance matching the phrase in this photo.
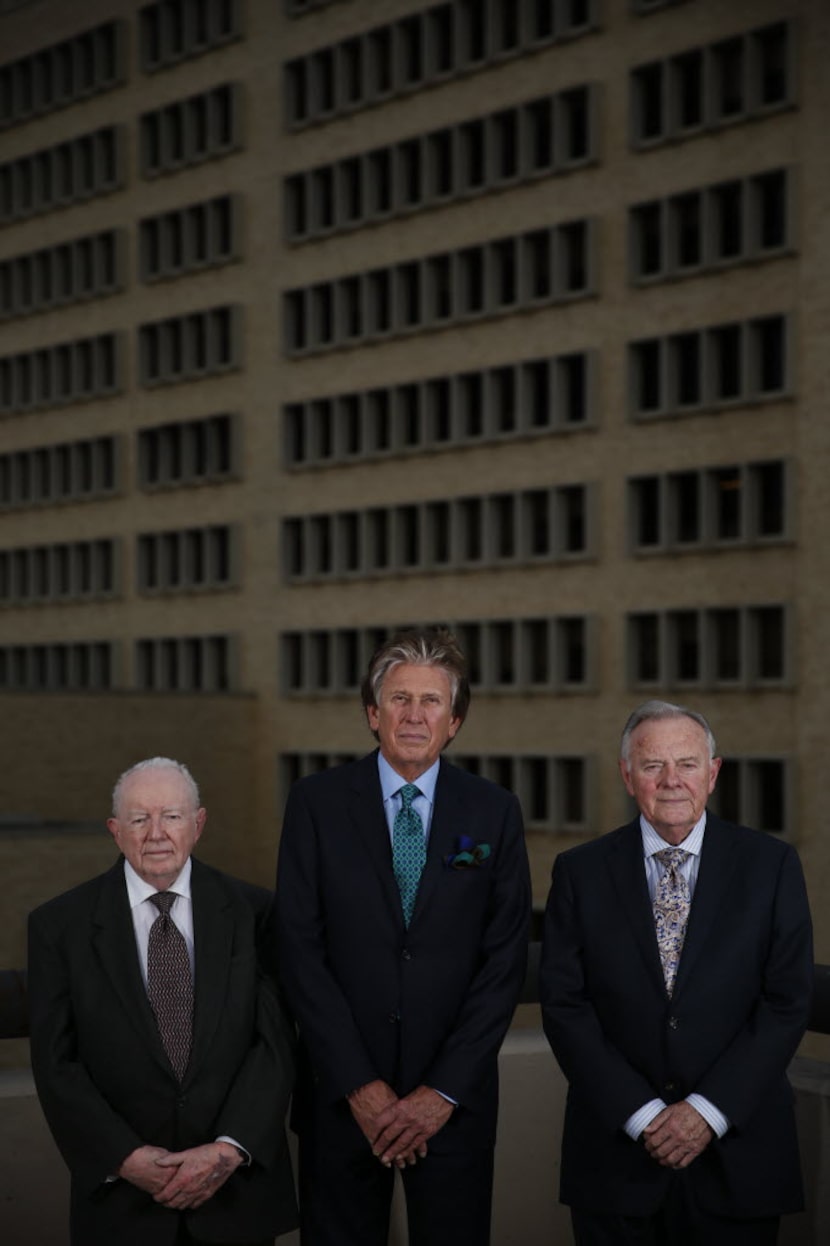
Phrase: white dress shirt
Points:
(692, 844)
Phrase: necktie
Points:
(672, 901)
(170, 984)
(409, 850)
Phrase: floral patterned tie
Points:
(409, 850)
(672, 901)
(170, 983)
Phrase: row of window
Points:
(516, 655)
(187, 239)
(506, 274)
(58, 75)
(184, 348)
(163, 664)
(513, 400)
(189, 131)
(724, 647)
(170, 31)
(187, 664)
(543, 136)
(71, 571)
(560, 793)
(193, 558)
(746, 361)
(72, 471)
(83, 666)
(732, 80)
(69, 172)
(54, 276)
(69, 372)
(701, 229)
(746, 503)
(192, 452)
(423, 48)
(527, 526)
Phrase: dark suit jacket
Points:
(104, 1081)
(739, 1008)
(428, 1005)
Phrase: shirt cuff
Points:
(246, 1155)
(448, 1098)
(638, 1120)
(714, 1118)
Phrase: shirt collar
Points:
(138, 890)
(652, 842)
(391, 782)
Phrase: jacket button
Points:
(670, 1086)
(394, 1018)
(181, 1103)
(673, 1023)
(406, 954)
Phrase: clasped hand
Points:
(677, 1135)
(398, 1129)
(181, 1180)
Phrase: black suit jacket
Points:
(106, 1085)
(739, 1008)
(425, 1005)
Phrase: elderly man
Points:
(161, 1057)
(676, 975)
(403, 907)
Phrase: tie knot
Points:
(671, 858)
(407, 794)
(163, 901)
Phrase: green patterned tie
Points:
(672, 901)
(409, 850)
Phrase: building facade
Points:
(321, 318)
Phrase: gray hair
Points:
(154, 763)
(652, 711)
(427, 646)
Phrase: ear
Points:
(372, 717)
(455, 724)
(201, 819)
(714, 771)
(625, 774)
(113, 828)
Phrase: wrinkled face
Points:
(670, 774)
(156, 826)
(414, 719)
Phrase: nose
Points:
(670, 776)
(157, 830)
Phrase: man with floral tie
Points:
(403, 903)
(675, 986)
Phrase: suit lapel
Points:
(625, 863)
(213, 943)
(365, 812)
(718, 860)
(113, 940)
(450, 818)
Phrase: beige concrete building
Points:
(320, 318)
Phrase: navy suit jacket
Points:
(739, 1008)
(425, 1005)
(107, 1087)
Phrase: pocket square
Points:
(468, 854)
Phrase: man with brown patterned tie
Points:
(161, 1056)
(675, 987)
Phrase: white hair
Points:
(154, 763)
(651, 711)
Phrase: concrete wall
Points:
(34, 1185)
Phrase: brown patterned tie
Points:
(170, 983)
(672, 901)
